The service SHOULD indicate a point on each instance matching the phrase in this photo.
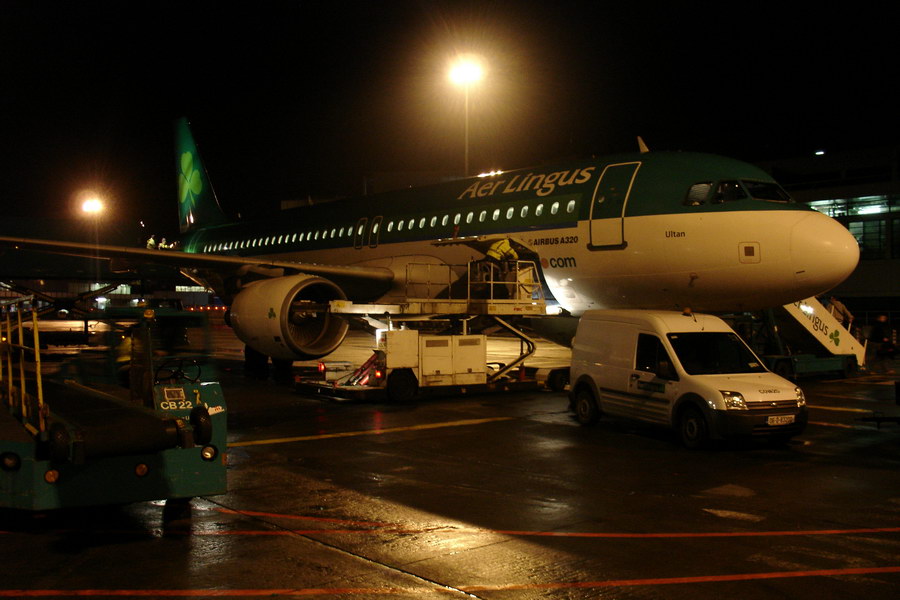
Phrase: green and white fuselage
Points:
(650, 230)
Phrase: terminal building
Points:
(862, 191)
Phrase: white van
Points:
(690, 372)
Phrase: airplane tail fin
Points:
(197, 203)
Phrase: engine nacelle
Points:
(287, 317)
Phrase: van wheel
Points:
(586, 410)
(692, 428)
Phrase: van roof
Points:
(659, 320)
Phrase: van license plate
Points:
(781, 420)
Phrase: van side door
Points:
(653, 383)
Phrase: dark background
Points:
(296, 99)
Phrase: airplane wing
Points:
(187, 260)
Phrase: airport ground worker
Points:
(498, 259)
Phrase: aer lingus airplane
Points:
(645, 230)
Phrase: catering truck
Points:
(687, 371)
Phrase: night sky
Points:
(291, 99)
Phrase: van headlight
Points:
(733, 400)
(801, 399)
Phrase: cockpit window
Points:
(728, 191)
(762, 190)
(697, 194)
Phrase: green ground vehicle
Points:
(81, 438)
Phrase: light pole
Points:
(93, 207)
(466, 72)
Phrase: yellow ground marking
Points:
(840, 408)
(345, 434)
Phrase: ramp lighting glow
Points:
(490, 173)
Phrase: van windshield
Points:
(714, 352)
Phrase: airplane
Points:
(653, 230)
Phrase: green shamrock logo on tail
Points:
(190, 184)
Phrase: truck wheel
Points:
(586, 410)
(558, 380)
(402, 385)
(692, 428)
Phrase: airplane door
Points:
(608, 205)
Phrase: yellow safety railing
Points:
(31, 409)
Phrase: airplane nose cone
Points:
(823, 253)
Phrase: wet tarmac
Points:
(499, 496)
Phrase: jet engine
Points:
(287, 317)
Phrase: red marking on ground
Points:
(684, 580)
(714, 534)
(612, 583)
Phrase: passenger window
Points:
(652, 357)
(469, 217)
(390, 226)
(433, 221)
(456, 219)
(400, 226)
(697, 194)
(728, 191)
(539, 210)
(554, 208)
(496, 214)
(445, 220)
(411, 224)
(481, 216)
(570, 207)
(524, 212)
(510, 212)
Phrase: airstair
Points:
(827, 329)
(802, 338)
(806, 338)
